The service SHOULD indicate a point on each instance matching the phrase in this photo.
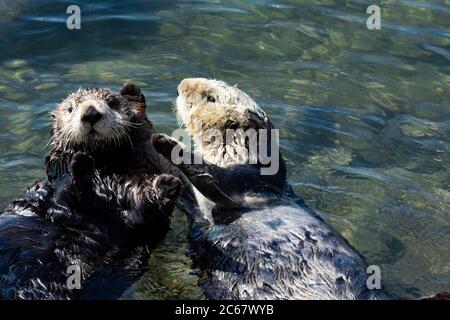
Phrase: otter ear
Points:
(133, 94)
(257, 121)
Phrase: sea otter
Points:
(103, 206)
(253, 237)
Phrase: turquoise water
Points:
(364, 115)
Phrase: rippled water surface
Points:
(364, 115)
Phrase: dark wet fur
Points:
(36, 247)
(90, 212)
(272, 250)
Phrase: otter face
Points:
(90, 118)
(211, 104)
(218, 117)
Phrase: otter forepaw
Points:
(132, 93)
(168, 187)
(164, 144)
(82, 166)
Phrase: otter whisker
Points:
(173, 106)
(132, 124)
(48, 143)
(129, 139)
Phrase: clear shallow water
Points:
(364, 115)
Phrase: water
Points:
(364, 115)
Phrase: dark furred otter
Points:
(115, 132)
(253, 238)
(103, 206)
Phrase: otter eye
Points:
(113, 103)
(70, 109)
(211, 99)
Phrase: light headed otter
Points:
(273, 249)
(211, 105)
(103, 205)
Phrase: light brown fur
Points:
(205, 104)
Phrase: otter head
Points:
(90, 119)
(215, 104)
(211, 105)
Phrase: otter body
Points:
(252, 237)
(278, 252)
(43, 234)
(103, 206)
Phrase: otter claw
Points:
(168, 186)
(132, 93)
(163, 144)
(82, 166)
(130, 89)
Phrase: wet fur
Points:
(252, 237)
(104, 205)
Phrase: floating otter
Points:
(103, 205)
(253, 237)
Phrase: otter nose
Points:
(91, 116)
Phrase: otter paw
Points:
(82, 166)
(164, 144)
(130, 89)
(132, 93)
(168, 187)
